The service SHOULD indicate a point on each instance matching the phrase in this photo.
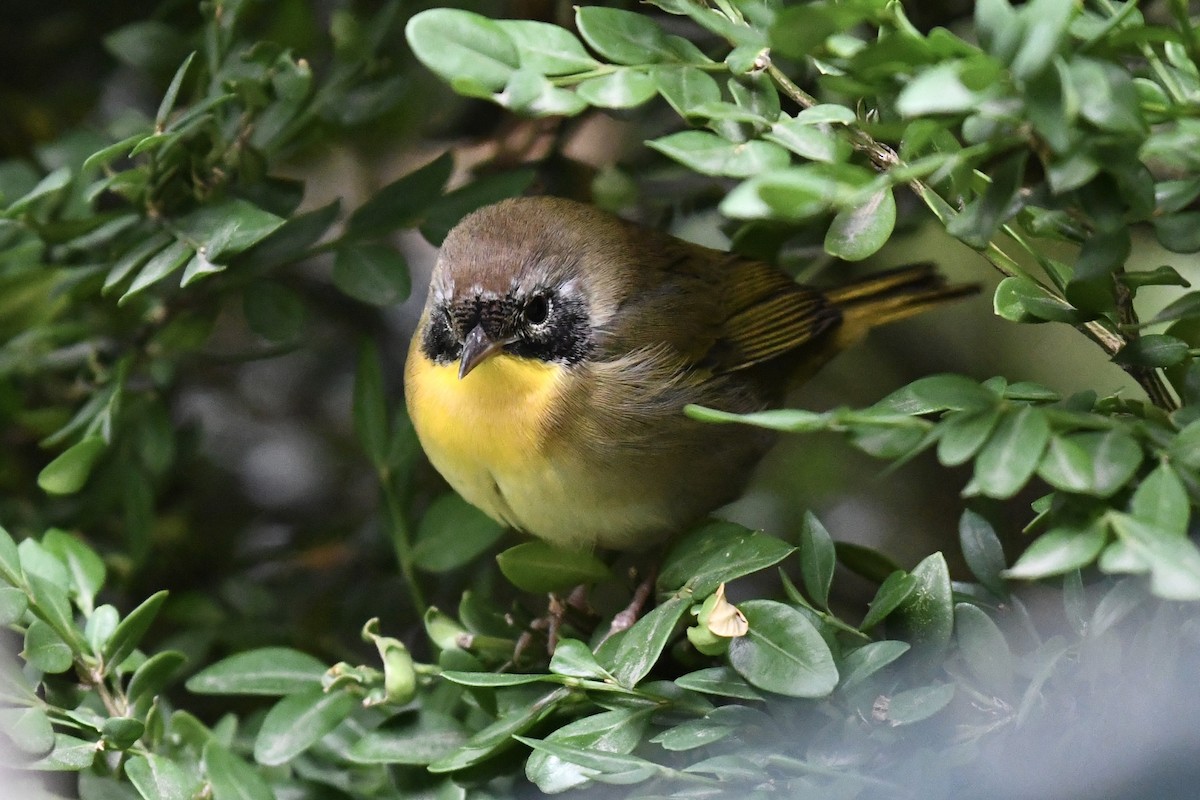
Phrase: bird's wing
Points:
(766, 314)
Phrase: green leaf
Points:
(938, 393)
(500, 734)
(168, 100)
(1019, 299)
(153, 675)
(617, 731)
(796, 193)
(411, 738)
(547, 49)
(791, 420)
(272, 671)
(495, 680)
(1174, 561)
(693, 734)
(573, 659)
(719, 681)
(937, 90)
(46, 650)
(1112, 100)
(817, 559)
(122, 733)
(10, 560)
(623, 37)
(638, 649)
(915, 705)
(984, 649)
(29, 730)
(783, 652)
(857, 233)
(868, 660)
(534, 95)
(815, 142)
(1060, 549)
(865, 561)
(622, 88)
(131, 630)
(371, 273)
(715, 553)
(982, 551)
(52, 184)
(86, 568)
(462, 45)
(687, 89)
(273, 311)
(67, 473)
(799, 30)
(158, 778)
(1046, 26)
(892, 593)
(1179, 232)
(960, 435)
(299, 721)
(370, 406)
(70, 754)
(1013, 452)
(927, 615)
(231, 777)
(226, 228)
(1161, 501)
(13, 605)
(165, 262)
(453, 533)
(1095, 463)
(976, 224)
(540, 567)
(100, 626)
(403, 202)
(1153, 350)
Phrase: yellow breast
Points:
(486, 430)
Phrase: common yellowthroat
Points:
(559, 345)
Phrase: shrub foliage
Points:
(1054, 138)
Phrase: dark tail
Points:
(893, 295)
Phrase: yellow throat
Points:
(486, 429)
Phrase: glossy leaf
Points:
(452, 533)
(857, 233)
(623, 37)
(716, 553)
(159, 778)
(67, 473)
(982, 551)
(547, 49)
(131, 630)
(892, 593)
(271, 671)
(1174, 560)
(916, 705)
(783, 652)
(463, 45)
(719, 681)
(1012, 453)
(623, 88)
(231, 777)
(617, 731)
(817, 559)
(540, 567)
(1096, 463)
(412, 738)
(984, 649)
(45, 649)
(299, 721)
(869, 659)
(927, 615)
(1160, 500)
(639, 648)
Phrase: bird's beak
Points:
(477, 348)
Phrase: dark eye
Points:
(537, 309)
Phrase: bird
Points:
(559, 345)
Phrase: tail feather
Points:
(893, 295)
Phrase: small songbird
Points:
(559, 345)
